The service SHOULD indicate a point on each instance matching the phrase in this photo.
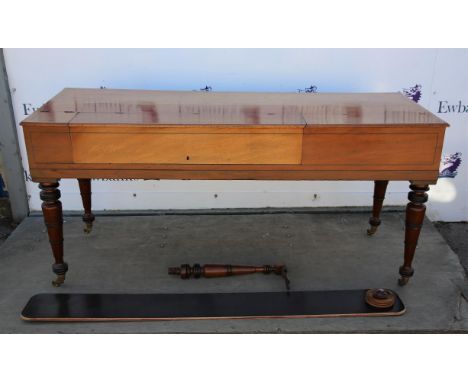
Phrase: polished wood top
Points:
(81, 107)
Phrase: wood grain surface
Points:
(101, 133)
(190, 108)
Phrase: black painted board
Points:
(129, 307)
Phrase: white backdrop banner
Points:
(435, 78)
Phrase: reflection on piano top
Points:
(106, 106)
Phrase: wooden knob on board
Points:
(380, 298)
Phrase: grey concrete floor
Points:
(323, 251)
(456, 235)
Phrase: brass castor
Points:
(371, 230)
(374, 224)
(60, 270)
(405, 274)
(380, 298)
(88, 227)
(88, 219)
(58, 281)
(403, 280)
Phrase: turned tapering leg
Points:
(380, 187)
(415, 211)
(85, 191)
(52, 210)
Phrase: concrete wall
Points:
(11, 165)
(36, 75)
(3, 188)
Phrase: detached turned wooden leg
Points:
(52, 210)
(415, 211)
(380, 187)
(85, 191)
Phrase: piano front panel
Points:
(413, 148)
(179, 148)
(178, 152)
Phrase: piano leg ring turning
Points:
(415, 212)
(52, 210)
